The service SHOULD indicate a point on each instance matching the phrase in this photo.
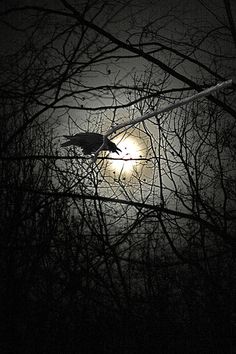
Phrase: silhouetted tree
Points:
(99, 259)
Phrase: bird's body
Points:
(90, 142)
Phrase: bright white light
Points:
(130, 150)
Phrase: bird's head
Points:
(113, 148)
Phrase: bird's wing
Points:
(89, 142)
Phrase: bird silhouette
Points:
(90, 142)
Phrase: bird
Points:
(90, 142)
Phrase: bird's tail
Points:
(67, 143)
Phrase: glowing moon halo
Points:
(125, 161)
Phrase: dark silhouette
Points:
(90, 142)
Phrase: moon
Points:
(126, 160)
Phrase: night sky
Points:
(129, 253)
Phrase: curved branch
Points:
(138, 205)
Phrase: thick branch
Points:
(131, 48)
(170, 107)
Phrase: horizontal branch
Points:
(160, 209)
(73, 157)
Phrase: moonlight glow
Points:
(126, 160)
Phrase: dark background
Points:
(93, 259)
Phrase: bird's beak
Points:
(117, 150)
